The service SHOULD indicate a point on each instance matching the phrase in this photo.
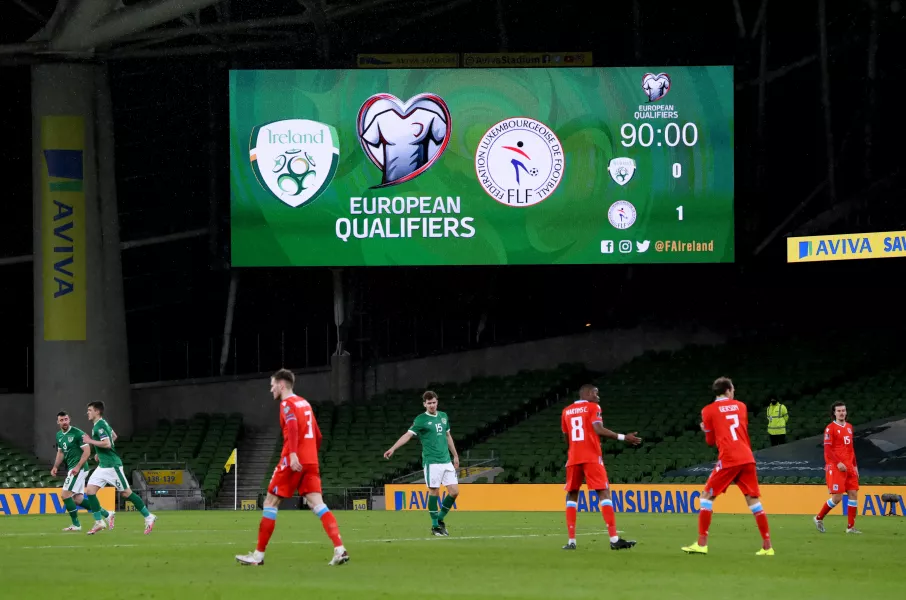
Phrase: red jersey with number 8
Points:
(300, 430)
(577, 422)
(727, 427)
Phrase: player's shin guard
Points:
(609, 518)
(432, 510)
(73, 511)
(139, 505)
(826, 508)
(704, 521)
(571, 508)
(761, 519)
(446, 506)
(329, 522)
(94, 506)
(851, 508)
(266, 527)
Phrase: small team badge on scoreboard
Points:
(621, 169)
(295, 160)
(621, 214)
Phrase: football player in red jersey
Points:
(840, 468)
(582, 423)
(726, 425)
(297, 470)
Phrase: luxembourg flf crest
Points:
(621, 170)
(295, 160)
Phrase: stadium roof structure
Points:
(121, 29)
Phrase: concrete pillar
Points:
(80, 329)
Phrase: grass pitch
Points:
(489, 555)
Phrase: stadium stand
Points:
(356, 435)
(203, 442)
(660, 395)
(21, 470)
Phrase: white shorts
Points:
(438, 475)
(75, 483)
(102, 477)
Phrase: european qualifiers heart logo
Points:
(403, 139)
(656, 86)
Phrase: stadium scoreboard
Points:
(481, 167)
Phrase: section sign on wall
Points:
(481, 167)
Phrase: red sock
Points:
(825, 508)
(571, 520)
(265, 531)
(851, 515)
(329, 522)
(704, 523)
(761, 520)
(609, 518)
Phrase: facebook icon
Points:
(805, 249)
(606, 246)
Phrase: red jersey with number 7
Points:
(300, 430)
(577, 422)
(727, 427)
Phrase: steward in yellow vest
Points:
(778, 417)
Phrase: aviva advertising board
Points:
(777, 499)
(43, 501)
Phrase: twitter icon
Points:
(642, 246)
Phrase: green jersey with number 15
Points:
(107, 456)
(431, 431)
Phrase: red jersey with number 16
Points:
(577, 422)
(300, 430)
(727, 427)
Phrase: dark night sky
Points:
(171, 132)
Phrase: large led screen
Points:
(482, 167)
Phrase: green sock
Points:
(73, 510)
(447, 505)
(84, 504)
(139, 505)
(94, 506)
(432, 510)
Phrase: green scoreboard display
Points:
(482, 167)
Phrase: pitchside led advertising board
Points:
(482, 166)
(642, 498)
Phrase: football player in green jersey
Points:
(75, 453)
(109, 472)
(432, 428)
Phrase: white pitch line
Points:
(434, 539)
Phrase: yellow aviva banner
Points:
(43, 501)
(408, 61)
(820, 248)
(63, 227)
(777, 499)
(162, 477)
(527, 59)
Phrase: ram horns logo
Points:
(656, 86)
(403, 139)
(295, 160)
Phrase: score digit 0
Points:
(677, 170)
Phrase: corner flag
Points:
(230, 461)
